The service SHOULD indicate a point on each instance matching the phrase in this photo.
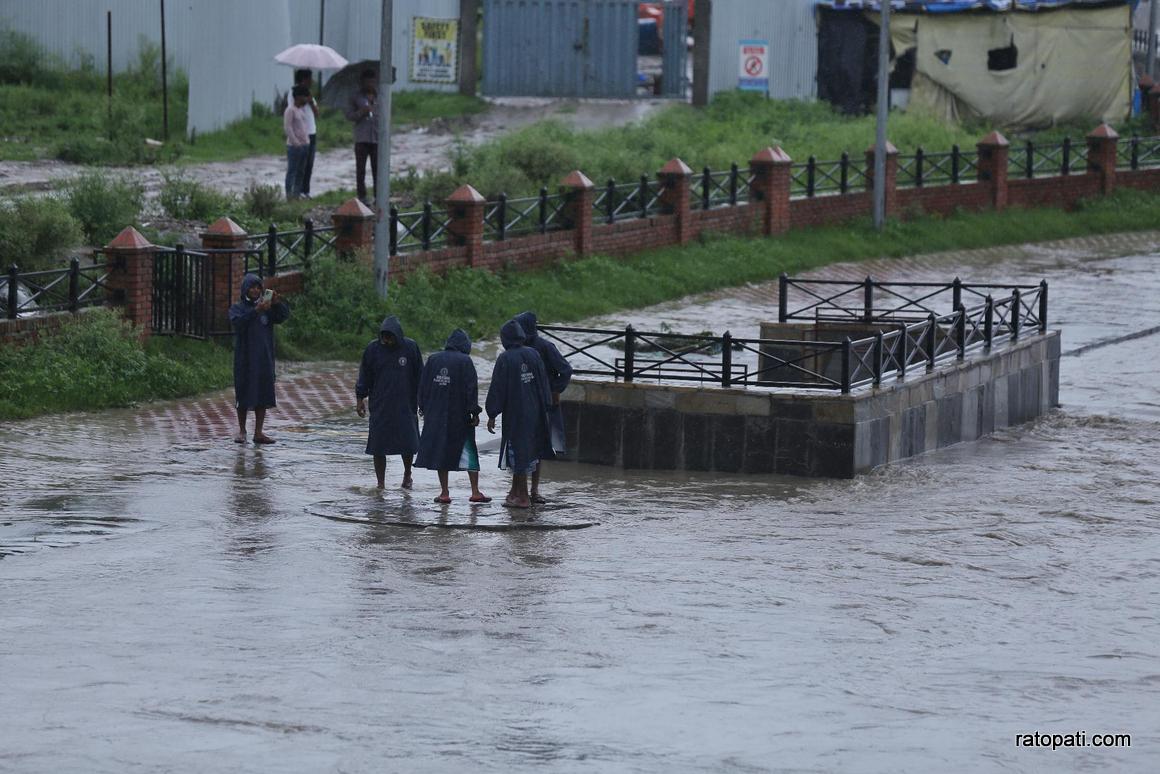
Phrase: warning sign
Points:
(435, 50)
(753, 74)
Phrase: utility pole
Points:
(383, 178)
(883, 113)
(1151, 68)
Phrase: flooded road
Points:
(173, 602)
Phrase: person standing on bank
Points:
(389, 377)
(305, 79)
(519, 391)
(559, 376)
(297, 141)
(253, 319)
(448, 401)
(362, 111)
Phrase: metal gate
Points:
(574, 48)
(182, 293)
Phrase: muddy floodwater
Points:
(172, 602)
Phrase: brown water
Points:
(183, 606)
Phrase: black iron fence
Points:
(66, 289)
(625, 201)
(720, 189)
(277, 252)
(827, 177)
(1047, 159)
(505, 218)
(1138, 153)
(923, 169)
(908, 335)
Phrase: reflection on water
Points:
(186, 609)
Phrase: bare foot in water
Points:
(263, 438)
(407, 482)
(517, 502)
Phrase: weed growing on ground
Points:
(183, 197)
(35, 232)
(104, 204)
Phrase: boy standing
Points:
(305, 79)
(448, 401)
(389, 376)
(519, 391)
(297, 142)
(363, 114)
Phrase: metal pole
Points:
(383, 178)
(1151, 68)
(883, 109)
(109, 65)
(321, 36)
(164, 81)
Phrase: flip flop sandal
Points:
(539, 500)
(481, 499)
(514, 504)
(263, 439)
(443, 500)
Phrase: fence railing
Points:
(1138, 153)
(720, 189)
(825, 177)
(505, 218)
(1047, 159)
(66, 289)
(276, 252)
(625, 201)
(923, 169)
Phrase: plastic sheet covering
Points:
(1070, 64)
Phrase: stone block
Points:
(1001, 414)
(1053, 383)
(622, 395)
(728, 443)
(1015, 410)
(635, 440)
(667, 431)
(969, 415)
(697, 443)
(708, 402)
(880, 441)
(791, 408)
(760, 445)
(753, 405)
(986, 409)
(913, 432)
(660, 398)
(834, 411)
(1054, 345)
(599, 434)
(571, 412)
(832, 450)
(793, 447)
(574, 392)
(931, 441)
(950, 419)
(1029, 399)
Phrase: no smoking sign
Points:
(753, 74)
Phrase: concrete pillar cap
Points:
(890, 149)
(465, 194)
(995, 139)
(1155, 89)
(129, 239)
(1146, 82)
(1103, 132)
(774, 155)
(353, 208)
(224, 226)
(577, 179)
(676, 167)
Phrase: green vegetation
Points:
(104, 204)
(734, 127)
(96, 361)
(183, 197)
(339, 311)
(36, 232)
(52, 110)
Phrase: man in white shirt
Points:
(297, 141)
(306, 78)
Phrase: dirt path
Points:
(423, 149)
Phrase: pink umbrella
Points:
(311, 56)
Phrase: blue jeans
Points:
(296, 156)
(308, 167)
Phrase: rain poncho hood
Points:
(458, 341)
(527, 321)
(559, 374)
(248, 282)
(392, 326)
(512, 335)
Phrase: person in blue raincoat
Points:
(521, 394)
(449, 403)
(253, 319)
(389, 377)
(559, 376)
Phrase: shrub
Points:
(20, 58)
(104, 204)
(263, 202)
(184, 198)
(35, 232)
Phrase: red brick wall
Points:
(1140, 179)
(943, 199)
(25, 330)
(822, 210)
(1062, 191)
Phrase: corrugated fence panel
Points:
(559, 48)
(353, 30)
(75, 29)
(788, 25)
(233, 66)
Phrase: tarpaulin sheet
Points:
(1070, 64)
(959, 6)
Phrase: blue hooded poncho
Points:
(254, 348)
(559, 375)
(520, 392)
(449, 400)
(389, 376)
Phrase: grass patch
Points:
(96, 361)
(340, 311)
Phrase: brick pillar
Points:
(891, 176)
(992, 168)
(465, 206)
(579, 194)
(771, 172)
(226, 270)
(354, 227)
(130, 283)
(675, 179)
(1102, 144)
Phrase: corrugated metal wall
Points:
(790, 28)
(559, 48)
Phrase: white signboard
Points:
(753, 74)
(435, 50)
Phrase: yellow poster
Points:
(435, 50)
